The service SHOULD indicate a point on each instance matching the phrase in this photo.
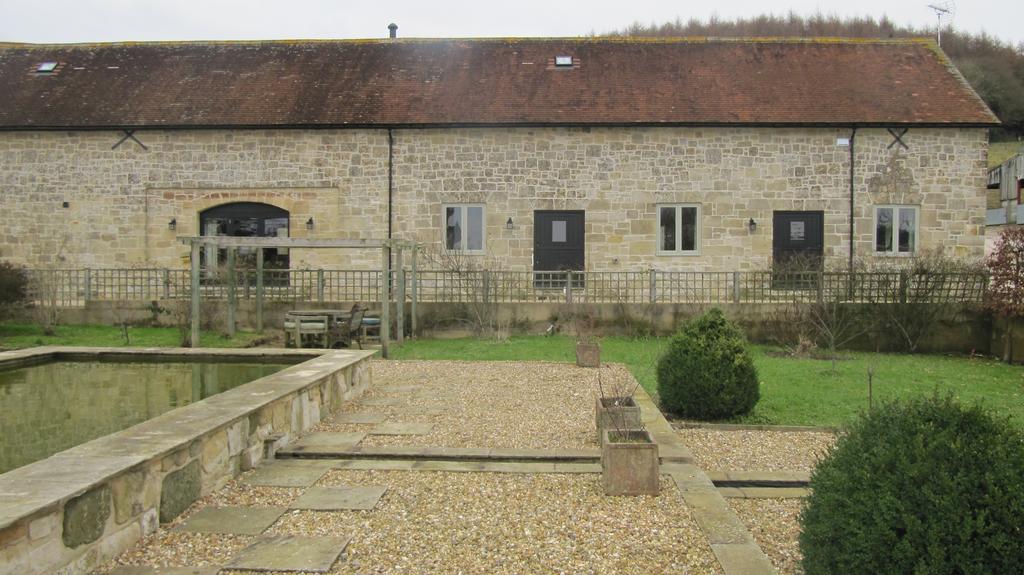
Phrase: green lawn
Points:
(793, 391)
(14, 336)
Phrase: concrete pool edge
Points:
(79, 507)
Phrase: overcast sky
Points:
(117, 20)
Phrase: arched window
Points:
(246, 219)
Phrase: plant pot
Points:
(630, 467)
(588, 355)
(615, 413)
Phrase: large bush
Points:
(13, 288)
(927, 486)
(706, 372)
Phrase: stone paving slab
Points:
(238, 520)
(363, 418)
(450, 453)
(402, 429)
(141, 570)
(742, 558)
(376, 464)
(731, 543)
(577, 468)
(467, 466)
(760, 478)
(290, 553)
(716, 518)
(289, 473)
(340, 498)
(329, 439)
(383, 401)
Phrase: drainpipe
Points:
(390, 179)
(853, 137)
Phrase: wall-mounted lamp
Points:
(508, 224)
(309, 224)
(752, 225)
(173, 224)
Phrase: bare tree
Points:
(908, 302)
(476, 285)
(1005, 296)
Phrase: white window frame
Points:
(465, 230)
(679, 230)
(895, 251)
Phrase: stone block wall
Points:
(619, 176)
(84, 529)
(121, 201)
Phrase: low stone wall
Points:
(71, 512)
(964, 330)
(999, 344)
(967, 330)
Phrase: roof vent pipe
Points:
(393, 30)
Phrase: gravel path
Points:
(509, 523)
(435, 522)
(756, 450)
(486, 404)
(775, 525)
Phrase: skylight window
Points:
(46, 67)
(563, 61)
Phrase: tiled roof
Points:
(413, 82)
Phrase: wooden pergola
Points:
(231, 244)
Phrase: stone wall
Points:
(120, 201)
(70, 513)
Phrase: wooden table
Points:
(322, 325)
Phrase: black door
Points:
(798, 246)
(558, 246)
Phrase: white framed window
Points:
(464, 228)
(896, 230)
(678, 229)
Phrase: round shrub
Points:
(925, 486)
(706, 372)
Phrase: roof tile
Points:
(414, 82)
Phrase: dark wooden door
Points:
(558, 247)
(798, 245)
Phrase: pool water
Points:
(51, 407)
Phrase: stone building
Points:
(597, 154)
(1005, 208)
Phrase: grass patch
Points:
(999, 152)
(17, 336)
(794, 391)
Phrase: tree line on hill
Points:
(993, 67)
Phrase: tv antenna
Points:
(947, 8)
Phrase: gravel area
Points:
(775, 525)
(756, 450)
(486, 404)
(436, 522)
(509, 523)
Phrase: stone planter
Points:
(615, 412)
(630, 467)
(588, 354)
